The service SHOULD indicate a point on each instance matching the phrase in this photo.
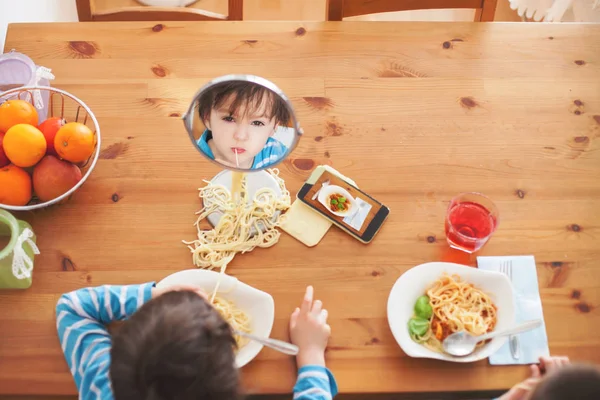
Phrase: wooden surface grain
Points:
(413, 112)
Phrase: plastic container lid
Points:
(16, 70)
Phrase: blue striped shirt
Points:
(81, 319)
(272, 152)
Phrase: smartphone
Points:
(363, 222)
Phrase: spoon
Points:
(279, 345)
(463, 343)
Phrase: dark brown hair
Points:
(176, 346)
(245, 94)
(578, 382)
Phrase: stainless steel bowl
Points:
(58, 103)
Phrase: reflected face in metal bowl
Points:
(240, 133)
(243, 123)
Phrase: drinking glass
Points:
(471, 220)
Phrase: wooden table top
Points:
(413, 112)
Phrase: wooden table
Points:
(414, 112)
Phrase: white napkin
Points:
(532, 344)
(357, 218)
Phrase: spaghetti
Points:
(237, 319)
(242, 227)
(452, 306)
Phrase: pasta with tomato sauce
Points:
(451, 305)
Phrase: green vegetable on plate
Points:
(422, 308)
(418, 326)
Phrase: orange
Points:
(13, 112)
(15, 186)
(49, 128)
(24, 145)
(74, 142)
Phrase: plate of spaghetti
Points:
(244, 307)
(431, 301)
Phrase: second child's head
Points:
(241, 117)
(176, 346)
(576, 382)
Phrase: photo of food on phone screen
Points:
(344, 204)
(337, 200)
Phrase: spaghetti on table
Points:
(451, 305)
(242, 227)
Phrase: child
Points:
(241, 118)
(556, 379)
(173, 345)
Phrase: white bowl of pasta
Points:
(244, 307)
(432, 300)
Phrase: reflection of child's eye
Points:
(228, 118)
(257, 123)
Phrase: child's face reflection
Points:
(245, 133)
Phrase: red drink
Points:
(470, 221)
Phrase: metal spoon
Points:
(279, 345)
(463, 343)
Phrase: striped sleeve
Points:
(271, 153)
(315, 383)
(81, 317)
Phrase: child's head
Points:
(580, 382)
(177, 346)
(241, 116)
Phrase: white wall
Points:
(34, 11)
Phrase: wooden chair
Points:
(340, 9)
(146, 13)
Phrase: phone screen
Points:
(363, 222)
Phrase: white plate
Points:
(414, 282)
(330, 189)
(259, 305)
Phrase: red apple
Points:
(4, 161)
(53, 177)
(49, 128)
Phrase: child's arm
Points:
(310, 332)
(524, 389)
(80, 319)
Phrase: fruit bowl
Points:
(52, 103)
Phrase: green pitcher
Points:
(16, 259)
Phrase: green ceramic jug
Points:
(16, 259)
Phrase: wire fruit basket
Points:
(52, 102)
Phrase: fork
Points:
(323, 185)
(275, 344)
(360, 207)
(513, 340)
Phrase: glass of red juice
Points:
(471, 220)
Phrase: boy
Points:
(173, 345)
(560, 381)
(241, 118)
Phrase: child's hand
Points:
(525, 388)
(551, 364)
(177, 288)
(309, 331)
